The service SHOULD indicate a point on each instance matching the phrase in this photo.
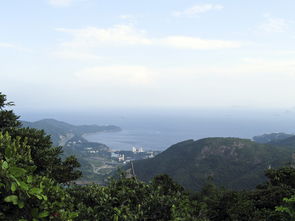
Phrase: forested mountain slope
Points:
(231, 162)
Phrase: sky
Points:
(108, 54)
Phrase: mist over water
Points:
(157, 130)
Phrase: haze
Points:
(88, 54)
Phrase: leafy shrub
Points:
(23, 195)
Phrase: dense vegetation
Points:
(231, 162)
(36, 184)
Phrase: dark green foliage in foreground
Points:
(47, 157)
(129, 199)
(7, 118)
(262, 203)
(23, 195)
(163, 199)
(44, 155)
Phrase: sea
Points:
(159, 129)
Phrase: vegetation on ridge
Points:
(231, 162)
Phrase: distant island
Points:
(61, 132)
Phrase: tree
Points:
(44, 155)
(129, 199)
(7, 118)
(281, 176)
(288, 208)
(23, 195)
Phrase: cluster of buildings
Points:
(91, 150)
(135, 154)
(119, 157)
(137, 150)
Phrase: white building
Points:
(137, 150)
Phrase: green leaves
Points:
(129, 199)
(30, 179)
(11, 199)
(22, 190)
(24, 186)
(288, 207)
(21, 204)
(35, 191)
(13, 187)
(17, 171)
(4, 165)
(29, 166)
(43, 214)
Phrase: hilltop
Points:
(230, 162)
(61, 131)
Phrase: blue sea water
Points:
(157, 130)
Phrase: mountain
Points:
(271, 138)
(288, 142)
(61, 132)
(230, 162)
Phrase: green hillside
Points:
(288, 142)
(231, 162)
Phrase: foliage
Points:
(7, 118)
(232, 163)
(282, 176)
(288, 207)
(23, 195)
(44, 156)
(129, 199)
(257, 204)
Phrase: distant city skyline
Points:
(88, 54)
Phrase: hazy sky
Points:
(81, 54)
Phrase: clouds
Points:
(248, 81)
(274, 24)
(193, 43)
(7, 45)
(14, 46)
(198, 9)
(85, 41)
(112, 51)
(116, 35)
(116, 75)
(76, 55)
(60, 3)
